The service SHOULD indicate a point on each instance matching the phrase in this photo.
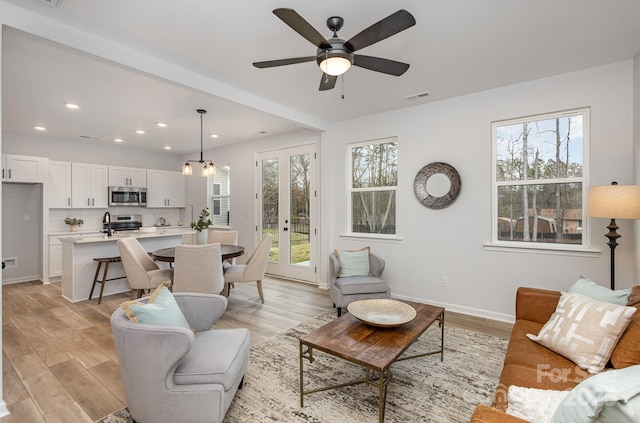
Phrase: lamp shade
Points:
(335, 66)
(614, 201)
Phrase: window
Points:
(219, 189)
(539, 179)
(373, 177)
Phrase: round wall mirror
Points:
(437, 185)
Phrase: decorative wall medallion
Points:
(437, 185)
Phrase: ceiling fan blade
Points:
(385, 28)
(377, 64)
(283, 62)
(327, 82)
(302, 27)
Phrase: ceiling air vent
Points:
(52, 3)
(87, 137)
(419, 95)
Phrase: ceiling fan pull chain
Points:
(342, 84)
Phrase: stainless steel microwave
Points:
(127, 196)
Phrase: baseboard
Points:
(21, 279)
(471, 311)
(4, 411)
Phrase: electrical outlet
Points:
(444, 281)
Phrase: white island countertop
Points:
(93, 237)
(79, 268)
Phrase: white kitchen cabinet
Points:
(89, 185)
(55, 259)
(27, 169)
(59, 184)
(165, 189)
(127, 177)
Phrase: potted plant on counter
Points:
(201, 226)
(74, 223)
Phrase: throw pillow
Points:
(584, 330)
(532, 404)
(161, 310)
(586, 286)
(627, 351)
(353, 263)
(608, 397)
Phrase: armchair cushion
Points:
(361, 285)
(197, 367)
(353, 263)
(160, 309)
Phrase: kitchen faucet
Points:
(107, 219)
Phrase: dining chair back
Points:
(198, 268)
(253, 270)
(143, 274)
(226, 238)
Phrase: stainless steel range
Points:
(124, 223)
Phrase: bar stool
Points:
(106, 261)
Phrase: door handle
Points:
(68, 201)
(9, 173)
(88, 201)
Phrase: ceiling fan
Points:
(335, 56)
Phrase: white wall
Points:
(449, 242)
(241, 158)
(636, 151)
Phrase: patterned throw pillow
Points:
(584, 330)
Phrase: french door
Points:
(287, 209)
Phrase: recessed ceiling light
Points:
(40, 128)
(418, 95)
(162, 124)
(118, 139)
(71, 106)
(213, 135)
(167, 147)
(139, 131)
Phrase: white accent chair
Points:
(343, 291)
(253, 270)
(143, 274)
(173, 374)
(198, 268)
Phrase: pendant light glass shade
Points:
(335, 66)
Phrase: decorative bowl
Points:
(382, 312)
(147, 229)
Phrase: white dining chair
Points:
(253, 270)
(198, 268)
(143, 274)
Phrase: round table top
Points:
(169, 254)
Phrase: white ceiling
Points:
(457, 47)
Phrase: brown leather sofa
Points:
(531, 365)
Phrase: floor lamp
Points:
(614, 202)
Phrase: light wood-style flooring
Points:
(60, 363)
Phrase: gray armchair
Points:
(344, 291)
(173, 374)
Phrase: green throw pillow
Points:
(586, 286)
(353, 263)
(161, 310)
(608, 397)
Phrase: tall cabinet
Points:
(89, 185)
(59, 184)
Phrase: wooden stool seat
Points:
(106, 261)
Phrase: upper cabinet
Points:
(22, 168)
(127, 177)
(59, 184)
(89, 185)
(165, 189)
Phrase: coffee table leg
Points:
(301, 376)
(441, 323)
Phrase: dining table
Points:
(169, 254)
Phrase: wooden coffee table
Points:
(373, 348)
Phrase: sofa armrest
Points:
(536, 305)
(486, 414)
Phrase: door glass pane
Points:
(299, 180)
(270, 204)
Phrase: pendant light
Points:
(208, 168)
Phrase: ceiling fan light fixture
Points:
(335, 66)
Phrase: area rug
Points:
(422, 390)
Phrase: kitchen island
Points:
(79, 268)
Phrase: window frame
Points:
(350, 190)
(213, 197)
(585, 245)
